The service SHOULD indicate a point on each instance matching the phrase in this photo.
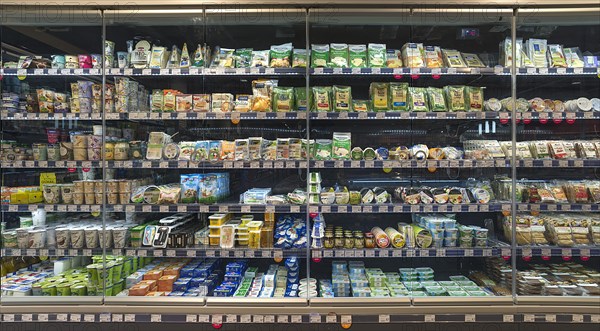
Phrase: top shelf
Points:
(301, 71)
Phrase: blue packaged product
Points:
(221, 292)
(292, 287)
(232, 277)
(301, 242)
(291, 294)
(176, 294)
(190, 294)
(189, 188)
(291, 262)
(292, 274)
(293, 280)
(187, 273)
(182, 284)
(196, 282)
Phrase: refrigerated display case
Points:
(297, 164)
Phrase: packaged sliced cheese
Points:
(573, 57)
(453, 59)
(413, 55)
(536, 49)
(433, 57)
(472, 60)
(556, 57)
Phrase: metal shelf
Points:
(406, 252)
(302, 318)
(300, 71)
(145, 208)
(192, 252)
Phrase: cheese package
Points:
(433, 57)
(393, 58)
(453, 58)
(536, 49)
(222, 102)
(456, 97)
(183, 102)
(472, 60)
(413, 55)
(379, 96)
(201, 102)
(556, 57)
(557, 150)
(159, 57)
(539, 149)
(573, 57)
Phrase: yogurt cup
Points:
(119, 235)
(78, 198)
(63, 237)
(90, 198)
(89, 186)
(91, 237)
(37, 239)
(22, 238)
(105, 238)
(77, 237)
(66, 192)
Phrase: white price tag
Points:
(216, 319)
(429, 318)
(396, 253)
(129, 318)
(191, 318)
(551, 318)
(508, 318)
(595, 318)
(146, 208)
(384, 318)
(331, 318)
(342, 209)
(258, 319)
(75, 318)
(370, 253)
(526, 252)
(230, 318)
(9, 317)
(42, 317)
(171, 253)
(117, 317)
(470, 318)
(577, 318)
(296, 319)
(566, 252)
(294, 209)
(346, 319)
(246, 319)
(270, 319)
(90, 318)
(157, 253)
(245, 209)
(367, 209)
(424, 253)
(561, 71)
(62, 317)
(283, 319)
(440, 252)
(27, 317)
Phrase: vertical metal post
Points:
(103, 114)
(513, 121)
(307, 86)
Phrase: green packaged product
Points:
(377, 55)
(299, 58)
(323, 149)
(243, 57)
(418, 99)
(436, 99)
(360, 105)
(369, 154)
(338, 55)
(455, 97)
(282, 99)
(357, 56)
(399, 96)
(379, 96)
(300, 99)
(322, 98)
(355, 198)
(341, 145)
(280, 56)
(474, 98)
(319, 57)
(356, 154)
(342, 98)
